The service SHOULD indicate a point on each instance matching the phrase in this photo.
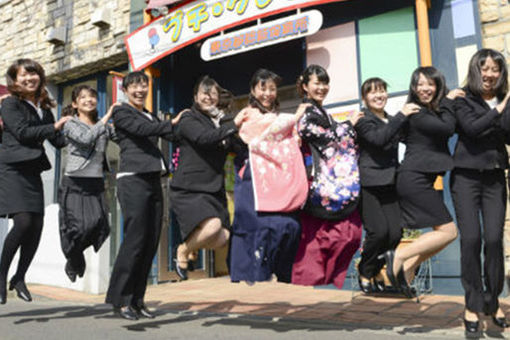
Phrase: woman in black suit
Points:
(427, 156)
(197, 190)
(378, 138)
(478, 183)
(27, 123)
(140, 196)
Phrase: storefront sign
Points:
(195, 20)
(269, 33)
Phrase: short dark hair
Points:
(474, 77)
(304, 78)
(437, 77)
(261, 76)
(372, 84)
(31, 66)
(134, 78)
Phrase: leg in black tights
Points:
(25, 234)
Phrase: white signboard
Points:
(266, 34)
(195, 20)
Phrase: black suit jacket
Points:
(24, 133)
(203, 149)
(426, 139)
(483, 133)
(378, 143)
(138, 139)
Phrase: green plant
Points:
(411, 233)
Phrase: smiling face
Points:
(28, 82)
(490, 73)
(137, 93)
(316, 89)
(207, 99)
(375, 100)
(265, 92)
(85, 103)
(425, 89)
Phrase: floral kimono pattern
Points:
(335, 184)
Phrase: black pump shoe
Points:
(500, 322)
(126, 312)
(365, 286)
(21, 290)
(143, 311)
(378, 286)
(181, 272)
(404, 286)
(389, 256)
(471, 327)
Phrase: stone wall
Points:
(495, 21)
(24, 25)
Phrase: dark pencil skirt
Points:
(21, 188)
(83, 215)
(422, 206)
(191, 208)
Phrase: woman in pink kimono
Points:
(331, 224)
(270, 187)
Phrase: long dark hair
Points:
(225, 97)
(437, 77)
(31, 66)
(474, 77)
(304, 78)
(69, 110)
(262, 76)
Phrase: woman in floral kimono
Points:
(330, 222)
(270, 187)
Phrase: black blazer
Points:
(378, 143)
(483, 133)
(24, 133)
(138, 139)
(426, 139)
(203, 150)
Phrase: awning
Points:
(160, 3)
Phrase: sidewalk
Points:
(275, 301)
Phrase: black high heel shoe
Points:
(365, 286)
(21, 290)
(404, 286)
(500, 322)
(181, 272)
(378, 285)
(389, 257)
(471, 327)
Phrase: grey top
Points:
(86, 147)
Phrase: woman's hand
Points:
(242, 116)
(178, 117)
(455, 93)
(60, 123)
(109, 113)
(301, 110)
(355, 116)
(410, 109)
(501, 106)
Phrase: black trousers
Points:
(141, 200)
(480, 195)
(380, 213)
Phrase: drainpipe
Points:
(422, 19)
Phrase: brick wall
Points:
(24, 25)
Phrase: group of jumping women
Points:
(305, 183)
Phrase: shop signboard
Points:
(268, 33)
(192, 21)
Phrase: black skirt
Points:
(83, 214)
(191, 208)
(21, 188)
(422, 206)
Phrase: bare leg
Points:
(425, 246)
(209, 233)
